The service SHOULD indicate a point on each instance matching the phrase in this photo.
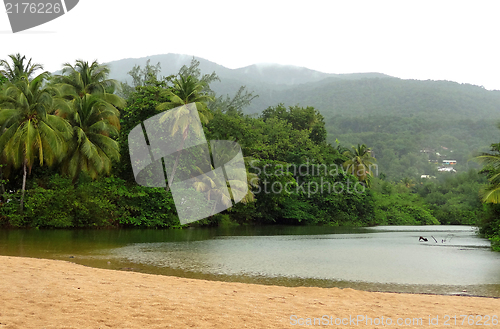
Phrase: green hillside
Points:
(392, 96)
(397, 118)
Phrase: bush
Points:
(105, 202)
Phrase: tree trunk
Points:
(176, 163)
(24, 186)
(2, 185)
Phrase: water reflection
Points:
(454, 260)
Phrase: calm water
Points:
(378, 259)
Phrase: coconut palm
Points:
(92, 148)
(94, 117)
(18, 69)
(214, 188)
(186, 90)
(29, 129)
(89, 79)
(491, 163)
(360, 162)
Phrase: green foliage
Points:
(89, 79)
(491, 162)
(360, 163)
(301, 119)
(232, 105)
(30, 130)
(449, 199)
(148, 207)
(490, 224)
(57, 203)
(309, 194)
(397, 141)
(490, 194)
(280, 140)
(402, 209)
(141, 77)
(15, 71)
(141, 106)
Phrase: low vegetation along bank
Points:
(65, 160)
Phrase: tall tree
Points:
(18, 68)
(186, 90)
(89, 79)
(141, 76)
(360, 163)
(29, 128)
(301, 118)
(234, 105)
(92, 149)
(93, 115)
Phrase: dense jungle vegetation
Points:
(65, 159)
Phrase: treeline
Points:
(65, 158)
(78, 172)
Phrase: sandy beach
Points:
(40, 293)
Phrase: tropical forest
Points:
(332, 151)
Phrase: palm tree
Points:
(18, 69)
(94, 117)
(491, 163)
(29, 129)
(215, 189)
(91, 149)
(186, 90)
(360, 162)
(89, 79)
(214, 186)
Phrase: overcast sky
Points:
(437, 40)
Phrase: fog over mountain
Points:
(333, 94)
(268, 80)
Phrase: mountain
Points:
(270, 81)
(397, 118)
(333, 94)
(392, 96)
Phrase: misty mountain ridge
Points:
(395, 117)
(333, 94)
(268, 73)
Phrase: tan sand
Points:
(40, 293)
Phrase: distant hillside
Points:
(396, 117)
(333, 94)
(392, 96)
(270, 81)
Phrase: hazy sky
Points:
(437, 40)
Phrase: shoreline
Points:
(42, 293)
